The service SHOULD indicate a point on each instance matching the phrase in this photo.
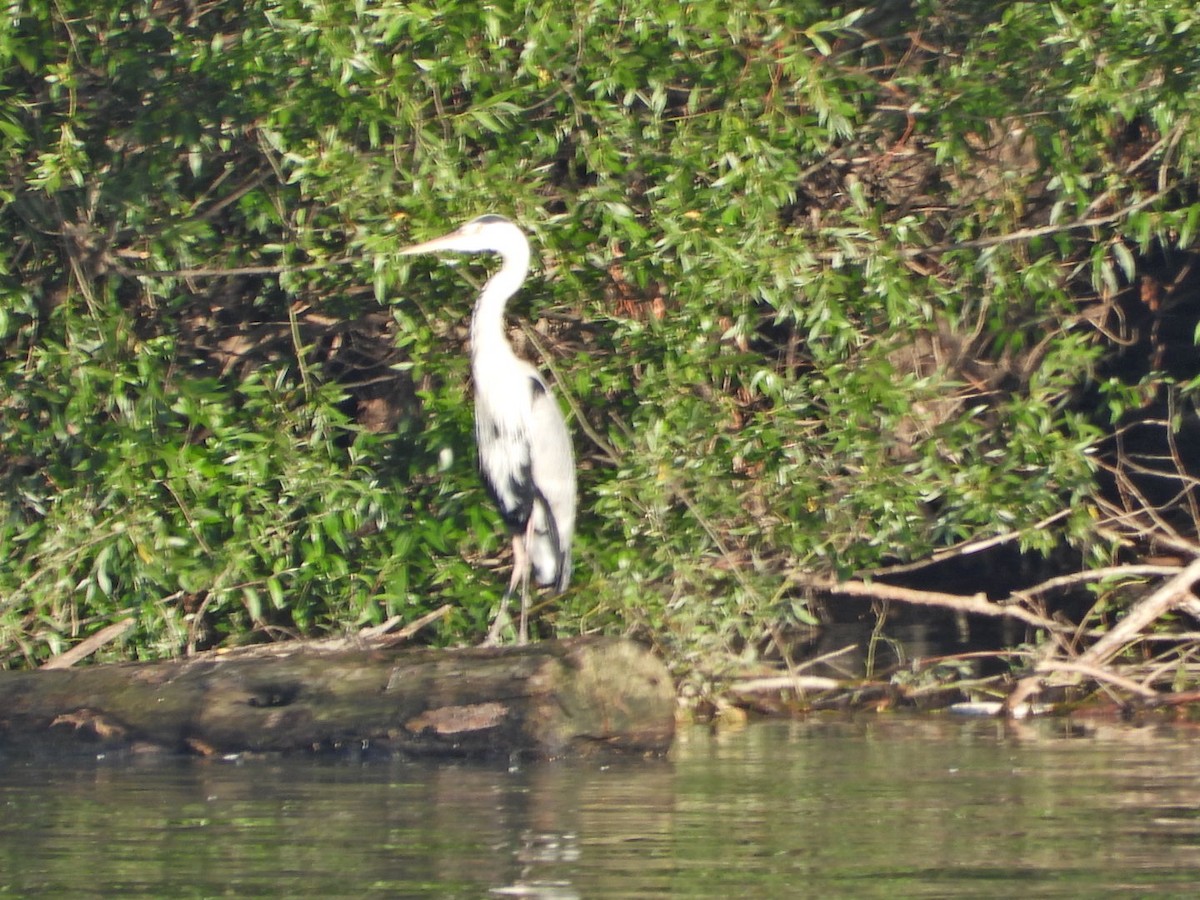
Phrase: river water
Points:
(875, 806)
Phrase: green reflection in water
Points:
(878, 806)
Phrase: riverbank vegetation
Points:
(879, 315)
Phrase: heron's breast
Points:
(504, 396)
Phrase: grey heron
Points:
(525, 452)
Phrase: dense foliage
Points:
(824, 288)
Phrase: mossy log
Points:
(551, 699)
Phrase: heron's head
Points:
(486, 234)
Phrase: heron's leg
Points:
(520, 574)
(526, 571)
(523, 629)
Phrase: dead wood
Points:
(87, 647)
(551, 699)
(1144, 614)
(1076, 655)
(974, 604)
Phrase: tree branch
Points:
(976, 604)
(1142, 615)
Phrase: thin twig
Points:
(968, 547)
(825, 657)
(1025, 234)
(1188, 489)
(235, 272)
(580, 419)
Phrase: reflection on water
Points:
(874, 806)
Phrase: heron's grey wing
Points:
(552, 464)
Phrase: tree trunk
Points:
(556, 698)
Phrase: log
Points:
(550, 699)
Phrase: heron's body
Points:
(521, 437)
(525, 452)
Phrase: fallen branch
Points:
(378, 632)
(974, 604)
(1099, 674)
(1143, 614)
(86, 648)
(797, 683)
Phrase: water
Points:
(875, 806)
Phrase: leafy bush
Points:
(833, 289)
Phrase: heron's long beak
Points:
(445, 242)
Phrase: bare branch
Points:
(968, 547)
(234, 272)
(1077, 578)
(976, 604)
(1142, 615)
(1097, 673)
(1025, 234)
(86, 648)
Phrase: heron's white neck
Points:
(487, 322)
